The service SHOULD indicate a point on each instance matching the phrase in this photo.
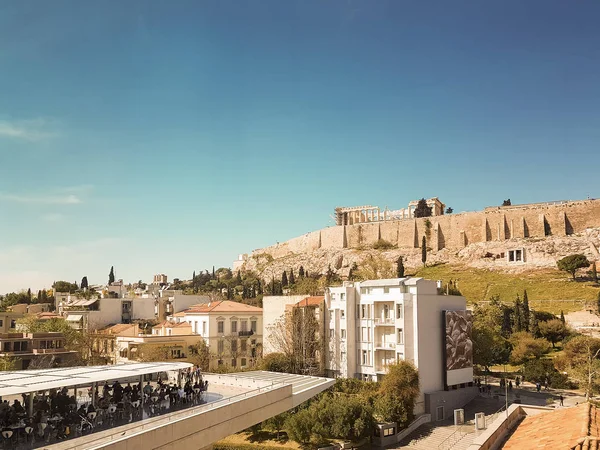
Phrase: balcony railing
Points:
(386, 345)
(386, 321)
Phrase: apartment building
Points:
(372, 324)
(8, 321)
(36, 350)
(232, 330)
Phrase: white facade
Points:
(371, 324)
(274, 308)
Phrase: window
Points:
(195, 327)
(234, 345)
(220, 346)
(20, 346)
(234, 326)
(363, 290)
(400, 336)
(389, 431)
(363, 335)
(342, 314)
(386, 290)
(244, 345)
(1, 323)
(399, 357)
(363, 311)
(343, 356)
(6, 347)
(364, 357)
(399, 314)
(386, 311)
(13, 323)
(343, 297)
(253, 326)
(203, 327)
(343, 334)
(244, 325)
(220, 326)
(243, 362)
(233, 362)
(331, 314)
(358, 311)
(331, 331)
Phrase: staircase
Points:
(429, 437)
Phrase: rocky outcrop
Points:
(538, 253)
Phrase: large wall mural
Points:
(459, 343)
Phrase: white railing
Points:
(390, 345)
(386, 321)
(453, 439)
(422, 419)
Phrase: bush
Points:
(382, 244)
(538, 369)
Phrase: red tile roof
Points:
(223, 306)
(168, 324)
(311, 301)
(574, 428)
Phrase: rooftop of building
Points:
(315, 300)
(118, 328)
(167, 324)
(222, 306)
(578, 425)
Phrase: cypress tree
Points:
(562, 317)
(213, 274)
(44, 296)
(535, 325)
(84, 283)
(39, 296)
(518, 315)
(301, 272)
(194, 276)
(239, 277)
(259, 289)
(29, 295)
(506, 325)
(292, 279)
(424, 250)
(400, 267)
(111, 275)
(273, 285)
(525, 314)
(284, 280)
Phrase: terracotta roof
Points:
(116, 329)
(47, 315)
(223, 306)
(574, 428)
(311, 301)
(168, 324)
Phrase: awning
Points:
(82, 302)
(74, 317)
(25, 381)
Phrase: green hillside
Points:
(544, 288)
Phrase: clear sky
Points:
(168, 136)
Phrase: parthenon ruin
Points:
(366, 214)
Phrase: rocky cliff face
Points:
(539, 253)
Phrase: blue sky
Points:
(168, 136)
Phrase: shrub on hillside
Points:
(382, 244)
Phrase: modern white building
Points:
(372, 324)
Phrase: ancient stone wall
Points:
(452, 231)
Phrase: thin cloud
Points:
(26, 130)
(69, 199)
(53, 217)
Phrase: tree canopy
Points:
(573, 263)
(422, 209)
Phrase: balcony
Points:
(388, 321)
(385, 346)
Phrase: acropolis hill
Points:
(508, 238)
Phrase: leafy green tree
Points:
(400, 267)
(489, 344)
(422, 210)
(111, 275)
(525, 312)
(507, 327)
(344, 417)
(538, 370)
(284, 279)
(449, 210)
(397, 394)
(554, 330)
(506, 202)
(535, 326)
(424, 250)
(278, 362)
(299, 426)
(8, 363)
(239, 277)
(581, 361)
(292, 278)
(573, 263)
(277, 423)
(64, 286)
(527, 347)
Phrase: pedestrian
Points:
(546, 384)
(560, 397)
(518, 382)
(510, 385)
(538, 386)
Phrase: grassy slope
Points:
(479, 284)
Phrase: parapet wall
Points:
(452, 231)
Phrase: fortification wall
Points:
(453, 231)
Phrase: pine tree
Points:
(422, 210)
(84, 283)
(44, 296)
(239, 277)
(562, 317)
(292, 279)
(518, 316)
(424, 250)
(301, 272)
(284, 280)
(400, 267)
(111, 275)
(525, 313)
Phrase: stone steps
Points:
(429, 437)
